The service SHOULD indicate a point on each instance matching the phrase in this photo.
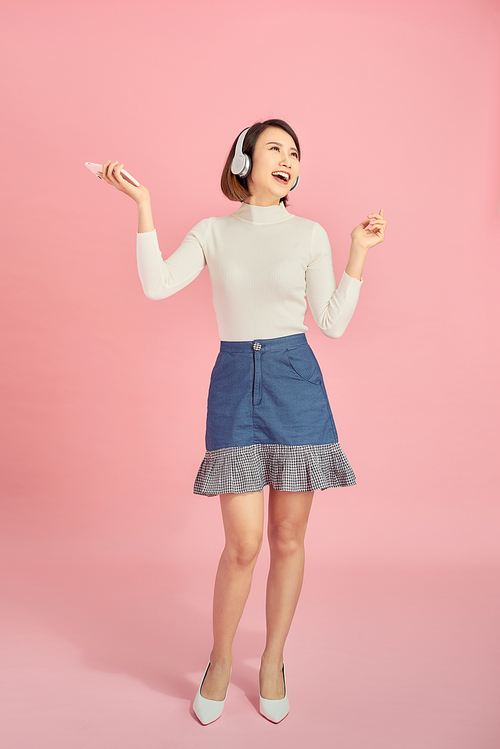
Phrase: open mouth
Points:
(282, 177)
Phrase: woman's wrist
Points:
(145, 215)
(357, 257)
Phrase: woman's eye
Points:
(276, 147)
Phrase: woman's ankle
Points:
(221, 660)
(270, 658)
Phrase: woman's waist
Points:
(264, 344)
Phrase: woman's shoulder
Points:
(308, 223)
(308, 228)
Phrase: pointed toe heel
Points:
(208, 710)
(275, 710)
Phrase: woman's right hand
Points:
(111, 174)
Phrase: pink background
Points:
(108, 558)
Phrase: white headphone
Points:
(242, 163)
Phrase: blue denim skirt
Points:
(269, 421)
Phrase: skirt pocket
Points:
(218, 367)
(304, 363)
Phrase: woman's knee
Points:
(286, 538)
(243, 551)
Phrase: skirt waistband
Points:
(260, 344)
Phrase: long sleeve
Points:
(332, 306)
(162, 278)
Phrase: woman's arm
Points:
(332, 306)
(161, 278)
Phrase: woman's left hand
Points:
(370, 232)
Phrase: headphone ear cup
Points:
(247, 166)
(241, 163)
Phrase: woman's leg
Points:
(243, 518)
(288, 516)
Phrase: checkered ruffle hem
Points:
(295, 468)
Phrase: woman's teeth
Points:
(280, 178)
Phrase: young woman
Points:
(269, 422)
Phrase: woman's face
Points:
(275, 151)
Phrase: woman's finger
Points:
(109, 171)
(106, 171)
(112, 170)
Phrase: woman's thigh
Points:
(289, 511)
(243, 517)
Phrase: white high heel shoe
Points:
(208, 710)
(275, 710)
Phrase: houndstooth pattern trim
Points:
(293, 468)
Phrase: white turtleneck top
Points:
(263, 262)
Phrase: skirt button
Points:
(257, 346)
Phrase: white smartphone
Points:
(95, 168)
